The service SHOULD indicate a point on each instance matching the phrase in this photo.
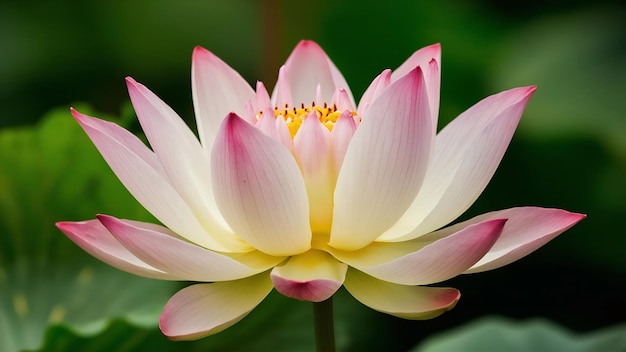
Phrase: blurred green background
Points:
(569, 152)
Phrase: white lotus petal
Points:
(96, 240)
(260, 190)
(161, 249)
(205, 309)
(419, 262)
(142, 174)
(408, 302)
(184, 161)
(465, 157)
(384, 165)
(312, 276)
(217, 90)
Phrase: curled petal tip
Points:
(314, 276)
(311, 291)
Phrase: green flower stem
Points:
(324, 326)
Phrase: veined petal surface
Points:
(408, 302)
(312, 146)
(384, 165)
(424, 261)
(466, 154)
(184, 161)
(159, 247)
(527, 229)
(429, 59)
(142, 174)
(260, 190)
(205, 309)
(96, 240)
(307, 67)
(341, 136)
(378, 85)
(312, 276)
(217, 90)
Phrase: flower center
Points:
(294, 116)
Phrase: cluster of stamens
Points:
(294, 116)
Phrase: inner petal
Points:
(307, 131)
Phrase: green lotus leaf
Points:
(52, 172)
(495, 334)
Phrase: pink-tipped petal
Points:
(184, 161)
(408, 302)
(312, 146)
(419, 262)
(262, 97)
(527, 229)
(342, 101)
(428, 58)
(313, 276)
(341, 136)
(206, 309)
(142, 174)
(159, 247)
(384, 165)
(217, 90)
(307, 67)
(260, 190)
(466, 154)
(378, 85)
(284, 134)
(267, 124)
(96, 240)
(282, 96)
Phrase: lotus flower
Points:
(303, 191)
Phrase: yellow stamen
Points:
(294, 116)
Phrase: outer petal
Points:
(96, 240)
(384, 164)
(307, 67)
(527, 229)
(313, 276)
(312, 146)
(420, 262)
(408, 302)
(142, 174)
(378, 85)
(184, 161)
(466, 154)
(161, 249)
(217, 90)
(259, 189)
(205, 309)
(429, 59)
